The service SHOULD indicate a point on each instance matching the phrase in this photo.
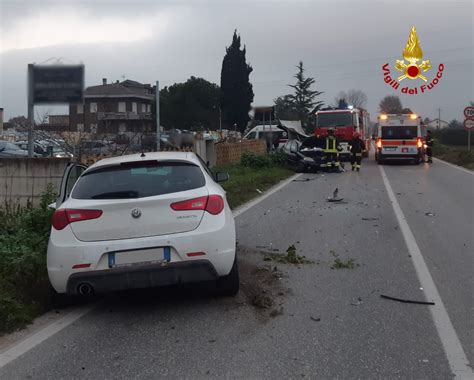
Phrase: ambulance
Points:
(399, 137)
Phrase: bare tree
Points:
(391, 104)
(355, 98)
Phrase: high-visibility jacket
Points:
(331, 144)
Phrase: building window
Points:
(148, 108)
(122, 128)
(80, 127)
(93, 107)
(80, 108)
(143, 108)
(134, 107)
(94, 128)
(122, 107)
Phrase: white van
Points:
(273, 133)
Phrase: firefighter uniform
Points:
(356, 147)
(429, 146)
(331, 151)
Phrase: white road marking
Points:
(240, 210)
(33, 340)
(452, 346)
(17, 349)
(454, 166)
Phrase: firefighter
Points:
(331, 151)
(429, 146)
(356, 147)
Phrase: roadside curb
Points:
(246, 206)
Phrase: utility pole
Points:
(439, 118)
(158, 131)
(31, 113)
(220, 118)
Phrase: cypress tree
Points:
(236, 89)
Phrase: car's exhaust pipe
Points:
(85, 289)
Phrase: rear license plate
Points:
(139, 257)
(390, 148)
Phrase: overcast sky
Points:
(343, 45)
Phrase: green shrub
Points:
(24, 284)
(252, 160)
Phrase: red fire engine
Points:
(344, 122)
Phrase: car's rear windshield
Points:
(139, 180)
(400, 132)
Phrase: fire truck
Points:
(344, 122)
(400, 137)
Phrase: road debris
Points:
(339, 264)
(259, 191)
(315, 319)
(406, 301)
(291, 257)
(304, 179)
(369, 218)
(430, 214)
(358, 302)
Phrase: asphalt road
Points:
(330, 323)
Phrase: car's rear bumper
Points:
(143, 276)
(399, 156)
(215, 237)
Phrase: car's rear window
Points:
(400, 132)
(139, 180)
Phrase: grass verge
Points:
(458, 155)
(247, 182)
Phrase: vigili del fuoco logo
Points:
(412, 67)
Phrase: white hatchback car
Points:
(142, 221)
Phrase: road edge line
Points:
(19, 348)
(451, 344)
(454, 166)
(272, 190)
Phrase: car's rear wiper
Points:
(116, 195)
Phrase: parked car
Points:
(305, 156)
(142, 221)
(96, 148)
(8, 149)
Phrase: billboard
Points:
(56, 83)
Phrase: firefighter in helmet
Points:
(429, 146)
(331, 151)
(356, 147)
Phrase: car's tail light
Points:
(190, 204)
(64, 216)
(419, 143)
(213, 204)
(379, 143)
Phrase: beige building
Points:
(437, 124)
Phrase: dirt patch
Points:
(261, 284)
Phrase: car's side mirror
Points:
(222, 177)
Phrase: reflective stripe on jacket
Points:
(331, 145)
